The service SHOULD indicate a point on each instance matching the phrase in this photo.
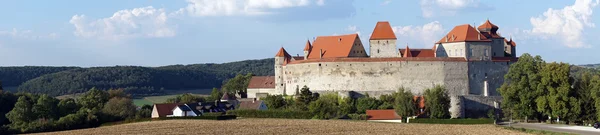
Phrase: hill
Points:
(144, 80)
(285, 126)
(15, 76)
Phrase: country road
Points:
(582, 130)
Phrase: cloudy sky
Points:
(165, 32)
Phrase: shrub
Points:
(275, 101)
(355, 116)
(288, 114)
(326, 107)
(437, 102)
(366, 103)
(453, 121)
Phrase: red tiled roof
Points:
(282, 53)
(262, 82)
(463, 33)
(382, 115)
(406, 52)
(308, 46)
(333, 46)
(383, 30)
(487, 26)
(359, 59)
(165, 109)
(419, 52)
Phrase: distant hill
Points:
(144, 80)
(15, 76)
(590, 66)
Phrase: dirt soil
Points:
(286, 126)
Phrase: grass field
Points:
(150, 100)
(286, 126)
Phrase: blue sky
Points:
(156, 33)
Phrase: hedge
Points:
(287, 114)
(452, 121)
(355, 116)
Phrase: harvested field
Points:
(286, 126)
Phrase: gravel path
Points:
(286, 126)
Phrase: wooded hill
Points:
(135, 80)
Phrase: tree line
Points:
(534, 89)
(29, 113)
(133, 79)
(15, 76)
(332, 106)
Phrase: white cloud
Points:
(450, 7)
(137, 22)
(241, 7)
(567, 24)
(426, 35)
(27, 34)
(386, 2)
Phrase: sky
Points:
(167, 32)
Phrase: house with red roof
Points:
(383, 116)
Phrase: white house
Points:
(185, 110)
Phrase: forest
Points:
(135, 80)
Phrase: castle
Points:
(469, 62)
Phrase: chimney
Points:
(321, 54)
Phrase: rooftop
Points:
(383, 30)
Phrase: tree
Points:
(94, 99)
(306, 96)
(348, 105)
(238, 85)
(186, 98)
(275, 101)
(326, 107)
(46, 107)
(584, 87)
(67, 106)
(595, 94)
(216, 94)
(558, 98)
(437, 102)
(120, 108)
(7, 103)
(144, 112)
(22, 113)
(366, 103)
(519, 90)
(118, 93)
(404, 104)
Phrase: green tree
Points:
(120, 108)
(186, 98)
(437, 102)
(366, 103)
(22, 113)
(7, 103)
(238, 85)
(404, 104)
(584, 87)
(67, 106)
(348, 106)
(558, 99)
(144, 112)
(216, 94)
(118, 93)
(94, 99)
(46, 107)
(519, 90)
(326, 107)
(306, 96)
(595, 94)
(275, 101)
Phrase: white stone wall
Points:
(279, 75)
(456, 49)
(377, 76)
(383, 48)
(252, 92)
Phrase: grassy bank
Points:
(452, 121)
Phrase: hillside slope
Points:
(144, 80)
(15, 76)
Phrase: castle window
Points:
(494, 53)
(377, 50)
(455, 52)
(449, 52)
(485, 52)
(319, 64)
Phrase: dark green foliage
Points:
(306, 96)
(22, 112)
(141, 80)
(355, 116)
(94, 99)
(288, 114)
(405, 106)
(238, 85)
(186, 98)
(367, 103)
(144, 112)
(437, 102)
(348, 106)
(46, 107)
(520, 88)
(119, 108)
(275, 101)
(15, 76)
(557, 98)
(7, 102)
(453, 121)
(67, 106)
(326, 107)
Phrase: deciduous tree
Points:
(437, 102)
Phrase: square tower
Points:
(383, 41)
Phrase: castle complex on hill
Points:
(469, 62)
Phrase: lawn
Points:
(150, 100)
(287, 126)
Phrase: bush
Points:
(366, 103)
(213, 114)
(275, 101)
(355, 116)
(287, 114)
(326, 107)
(437, 102)
(453, 121)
